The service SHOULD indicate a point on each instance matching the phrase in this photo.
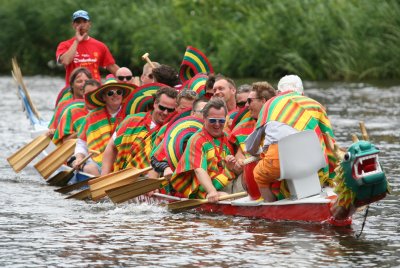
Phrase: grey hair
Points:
(216, 103)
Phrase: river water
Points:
(39, 228)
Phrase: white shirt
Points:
(275, 131)
(81, 145)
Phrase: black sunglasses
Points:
(249, 100)
(163, 108)
(113, 91)
(215, 120)
(187, 92)
(241, 104)
(123, 78)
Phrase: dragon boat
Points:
(360, 180)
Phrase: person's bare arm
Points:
(205, 180)
(113, 68)
(109, 156)
(68, 56)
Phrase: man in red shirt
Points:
(83, 50)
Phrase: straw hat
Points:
(292, 83)
(95, 98)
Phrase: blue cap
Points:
(80, 14)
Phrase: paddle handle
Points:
(250, 159)
(363, 131)
(229, 196)
(83, 160)
(146, 58)
(354, 138)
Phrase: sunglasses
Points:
(249, 100)
(215, 120)
(113, 91)
(241, 104)
(123, 78)
(187, 92)
(163, 108)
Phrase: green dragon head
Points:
(363, 174)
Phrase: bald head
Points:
(124, 75)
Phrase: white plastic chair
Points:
(300, 157)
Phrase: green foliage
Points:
(316, 39)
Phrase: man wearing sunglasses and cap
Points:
(202, 171)
(83, 50)
(134, 139)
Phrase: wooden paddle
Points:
(99, 185)
(55, 159)
(364, 132)
(71, 187)
(17, 75)
(146, 58)
(27, 153)
(135, 189)
(81, 195)
(190, 203)
(63, 177)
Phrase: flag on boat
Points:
(194, 62)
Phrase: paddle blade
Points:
(61, 178)
(135, 189)
(191, 203)
(84, 194)
(55, 159)
(69, 188)
(99, 185)
(27, 153)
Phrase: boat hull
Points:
(315, 209)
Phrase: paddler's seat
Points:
(300, 157)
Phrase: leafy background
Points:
(317, 39)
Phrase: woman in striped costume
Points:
(75, 94)
(74, 115)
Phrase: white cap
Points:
(292, 83)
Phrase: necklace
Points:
(218, 151)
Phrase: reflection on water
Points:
(38, 227)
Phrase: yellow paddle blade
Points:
(55, 159)
(190, 203)
(81, 195)
(27, 153)
(17, 75)
(135, 189)
(71, 187)
(99, 185)
(61, 178)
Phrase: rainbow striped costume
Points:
(135, 141)
(65, 95)
(301, 113)
(97, 129)
(240, 132)
(70, 121)
(59, 110)
(201, 152)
